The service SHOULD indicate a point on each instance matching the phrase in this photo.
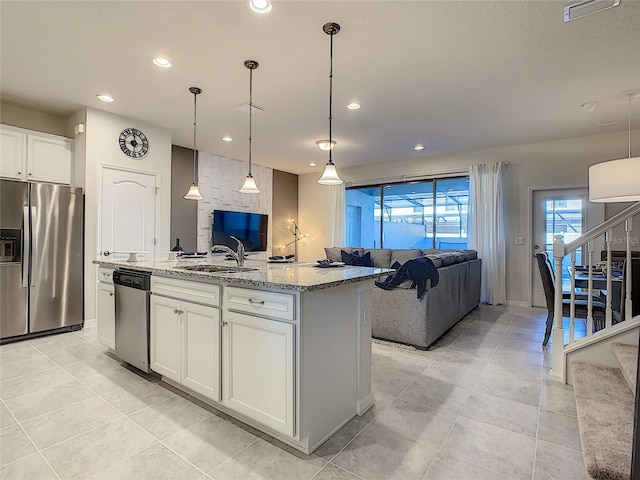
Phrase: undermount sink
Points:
(217, 268)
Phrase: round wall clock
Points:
(133, 143)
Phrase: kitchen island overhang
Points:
(292, 341)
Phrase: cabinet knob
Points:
(29, 174)
(110, 294)
(254, 302)
(176, 311)
(19, 173)
(224, 324)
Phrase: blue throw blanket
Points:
(418, 270)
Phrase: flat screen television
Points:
(249, 228)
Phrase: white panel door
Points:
(127, 212)
(258, 370)
(201, 349)
(565, 212)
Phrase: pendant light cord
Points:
(250, 113)
(330, 97)
(629, 121)
(195, 152)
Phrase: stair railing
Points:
(560, 250)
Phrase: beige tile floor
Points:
(478, 406)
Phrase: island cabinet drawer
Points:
(105, 274)
(266, 304)
(198, 292)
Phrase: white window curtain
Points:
(486, 229)
(336, 215)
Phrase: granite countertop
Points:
(287, 276)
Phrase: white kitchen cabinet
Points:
(13, 154)
(185, 344)
(258, 370)
(106, 308)
(29, 155)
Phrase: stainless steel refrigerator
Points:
(41, 258)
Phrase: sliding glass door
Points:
(423, 214)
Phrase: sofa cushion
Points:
(471, 254)
(447, 259)
(333, 253)
(356, 259)
(381, 257)
(437, 261)
(401, 256)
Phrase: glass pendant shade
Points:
(330, 176)
(249, 185)
(193, 193)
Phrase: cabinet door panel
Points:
(258, 370)
(106, 315)
(12, 154)
(201, 364)
(165, 337)
(48, 160)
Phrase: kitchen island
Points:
(283, 347)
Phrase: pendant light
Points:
(249, 185)
(616, 180)
(330, 175)
(194, 192)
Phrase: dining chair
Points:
(581, 299)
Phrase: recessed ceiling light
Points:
(353, 106)
(419, 147)
(227, 139)
(162, 62)
(260, 6)
(103, 97)
(312, 164)
(589, 106)
(326, 145)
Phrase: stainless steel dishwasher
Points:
(132, 290)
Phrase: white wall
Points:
(559, 163)
(219, 179)
(101, 145)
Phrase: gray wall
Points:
(184, 213)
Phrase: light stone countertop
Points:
(287, 276)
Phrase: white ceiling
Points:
(451, 75)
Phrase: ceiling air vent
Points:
(587, 7)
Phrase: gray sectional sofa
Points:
(399, 316)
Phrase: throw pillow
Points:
(356, 260)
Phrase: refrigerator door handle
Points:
(27, 246)
(34, 246)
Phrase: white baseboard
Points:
(518, 303)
